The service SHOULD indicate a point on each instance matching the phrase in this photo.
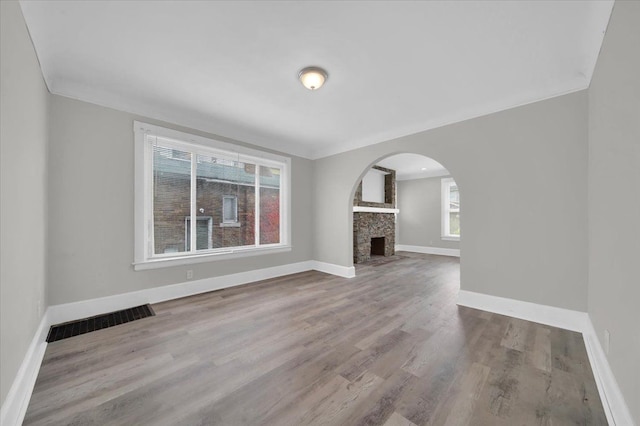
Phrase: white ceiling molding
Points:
(462, 115)
(396, 68)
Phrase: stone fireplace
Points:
(373, 233)
(374, 221)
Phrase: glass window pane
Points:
(454, 197)
(203, 232)
(225, 191)
(269, 205)
(454, 223)
(171, 199)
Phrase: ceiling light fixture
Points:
(312, 77)
(423, 169)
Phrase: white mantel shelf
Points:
(374, 209)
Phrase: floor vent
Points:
(87, 325)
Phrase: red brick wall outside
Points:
(172, 205)
(269, 216)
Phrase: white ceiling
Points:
(413, 166)
(395, 68)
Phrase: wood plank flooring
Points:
(389, 347)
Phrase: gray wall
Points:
(522, 175)
(614, 198)
(518, 171)
(23, 155)
(420, 218)
(91, 197)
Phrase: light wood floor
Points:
(389, 347)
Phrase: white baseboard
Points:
(87, 308)
(333, 269)
(17, 400)
(429, 250)
(543, 314)
(618, 412)
(613, 402)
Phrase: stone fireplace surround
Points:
(374, 224)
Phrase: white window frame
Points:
(143, 211)
(447, 183)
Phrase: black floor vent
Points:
(87, 325)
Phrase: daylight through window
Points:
(450, 209)
(236, 200)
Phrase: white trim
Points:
(613, 402)
(143, 230)
(543, 314)
(193, 200)
(615, 407)
(333, 269)
(87, 308)
(17, 400)
(429, 250)
(410, 132)
(357, 209)
(208, 143)
(292, 147)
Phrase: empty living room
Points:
(394, 213)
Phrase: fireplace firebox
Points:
(377, 246)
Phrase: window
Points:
(237, 197)
(229, 209)
(450, 210)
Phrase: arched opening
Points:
(407, 207)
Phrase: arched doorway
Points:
(405, 205)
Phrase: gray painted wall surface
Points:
(420, 218)
(614, 198)
(518, 171)
(91, 195)
(23, 157)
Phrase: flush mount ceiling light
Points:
(312, 77)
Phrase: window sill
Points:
(450, 238)
(167, 262)
(230, 225)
